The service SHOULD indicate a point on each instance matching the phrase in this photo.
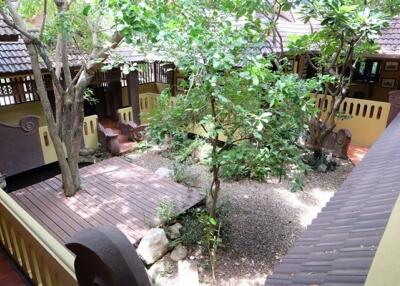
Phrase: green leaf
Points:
(213, 221)
(86, 9)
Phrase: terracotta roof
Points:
(340, 244)
(389, 41)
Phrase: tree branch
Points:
(44, 19)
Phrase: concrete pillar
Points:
(133, 91)
(394, 99)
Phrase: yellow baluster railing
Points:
(366, 119)
(89, 137)
(41, 257)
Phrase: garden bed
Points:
(261, 220)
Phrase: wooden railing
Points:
(366, 119)
(89, 138)
(90, 131)
(41, 257)
(147, 105)
(148, 102)
(125, 114)
(17, 90)
(153, 72)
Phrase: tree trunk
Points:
(214, 191)
(66, 129)
(216, 184)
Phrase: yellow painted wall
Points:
(385, 268)
(12, 114)
(367, 119)
(147, 104)
(162, 86)
(89, 137)
(126, 113)
(49, 154)
(125, 96)
(148, 87)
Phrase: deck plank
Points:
(116, 192)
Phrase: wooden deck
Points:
(116, 193)
(9, 273)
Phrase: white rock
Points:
(180, 252)
(163, 273)
(174, 230)
(188, 274)
(153, 245)
(164, 172)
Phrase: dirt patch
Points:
(261, 219)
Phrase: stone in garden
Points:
(179, 253)
(87, 155)
(87, 159)
(174, 231)
(161, 273)
(187, 272)
(87, 152)
(322, 168)
(163, 172)
(338, 143)
(153, 245)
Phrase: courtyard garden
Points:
(255, 217)
(246, 141)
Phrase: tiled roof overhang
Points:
(7, 33)
(389, 41)
(340, 244)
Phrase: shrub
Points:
(166, 212)
(182, 174)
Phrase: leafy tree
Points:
(347, 34)
(65, 127)
(232, 92)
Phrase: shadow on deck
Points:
(115, 193)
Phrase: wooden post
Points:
(133, 91)
(155, 72)
(171, 78)
(394, 99)
(114, 91)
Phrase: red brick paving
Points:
(356, 153)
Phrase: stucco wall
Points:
(13, 113)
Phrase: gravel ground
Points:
(261, 220)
